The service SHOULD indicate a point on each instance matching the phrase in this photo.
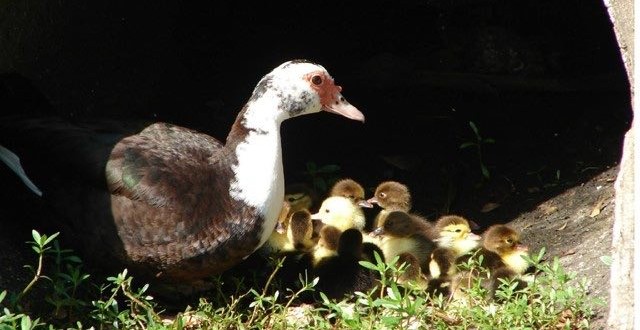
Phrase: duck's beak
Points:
(339, 105)
(316, 216)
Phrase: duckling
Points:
(390, 196)
(327, 245)
(341, 274)
(501, 247)
(458, 230)
(412, 272)
(298, 197)
(341, 213)
(349, 188)
(502, 254)
(300, 231)
(455, 240)
(402, 232)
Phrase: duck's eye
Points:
(383, 195)
(316, 80)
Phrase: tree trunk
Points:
(624, 250)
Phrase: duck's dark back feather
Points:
(66, 160)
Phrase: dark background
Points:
(544, 79)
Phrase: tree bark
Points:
(623, 301)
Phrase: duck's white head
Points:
(300, 87)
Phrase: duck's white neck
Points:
(259, 176)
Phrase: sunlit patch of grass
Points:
(553, 299)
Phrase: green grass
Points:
(554, 299)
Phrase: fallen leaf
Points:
(489, 207)
(563, 226)
(547, 209)
(598, 207)
(569, 252)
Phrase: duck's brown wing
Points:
(162, 165)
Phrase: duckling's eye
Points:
(291, 199)
(383, 195)
(458, 230)
(326, 211)
(509, 241)
(316, 80)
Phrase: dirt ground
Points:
(575, 226)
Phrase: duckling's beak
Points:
(522, 248)
(372, 201)
(378, 232)
(473, 237)
(316, 216)
(280, 228)
(364, 203)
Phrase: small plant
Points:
(41, 244)
(10, 320)
(66, 281)
(140, 312)
(553, 299)
(477, 143)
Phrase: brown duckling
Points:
(402, 232)
(327, 245)
(412, 274)
(501, 248)
(298, 197)
(300, 231)
(350, 189)
(502, 254)
(390, 196)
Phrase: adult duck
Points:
(184, 205)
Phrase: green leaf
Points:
(51, 238)
(2, 295)
(329, 169)
(489, 140)
(607, 260)
(485, 171)
(75, 259)
(320, 184)
(25, 323)
(474, 128)
(368, 265)
(36, 236)
(311, 167)
(467, 144)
